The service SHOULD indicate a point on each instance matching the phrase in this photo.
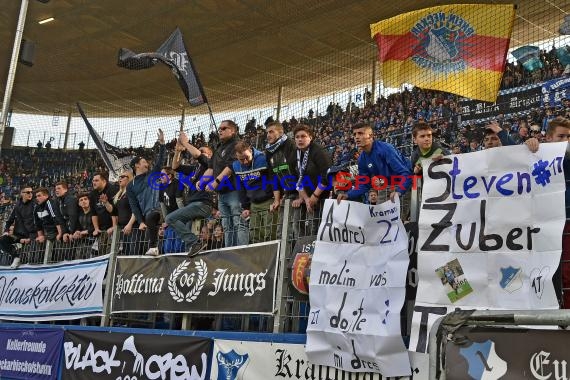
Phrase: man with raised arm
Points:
(198, 203)
(143, 197)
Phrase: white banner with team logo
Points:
(241, 360)
(357, 289)
(490, 233)
(68, 290)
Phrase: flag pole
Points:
(213, 126)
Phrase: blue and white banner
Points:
(51, 292)
(490, 230)
(30, 353)
(554, 91)
(357, 289)
(242, 360)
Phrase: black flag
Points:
(174, 54)
(116, 159)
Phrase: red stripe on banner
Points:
(480, 52)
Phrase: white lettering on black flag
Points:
(51, 292)
(490, 233)
(230, 280)
(357, 289)
(93, 355)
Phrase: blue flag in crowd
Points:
(563, 56)
(528, 57)
(174, 54)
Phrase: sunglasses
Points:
(27, 192)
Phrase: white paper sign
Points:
(357, 289)
(51, 292)
(490, 233)
(241, 360)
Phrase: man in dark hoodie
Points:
(21, 221)
(143, 198)
(425, 147)
(68, 209)
(47, 217)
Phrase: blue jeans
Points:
(235, 227)
(180, 218)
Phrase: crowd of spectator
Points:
(76, 201)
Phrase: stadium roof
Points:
(243, 49)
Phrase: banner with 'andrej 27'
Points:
(357, 289)
(97, 355)
(50, 292)
(490, 232)
(30, 353)
(231, 280)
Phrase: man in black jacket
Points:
(68, 208)
(235, 227)
(198, 202)
(104, 217)
(278, 150)
(47, 217)
(22, 226)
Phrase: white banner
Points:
(239, 360)
(52, 292)
(490, 233)
(357, 289)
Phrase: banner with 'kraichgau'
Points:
(357, 289)
(243, 360)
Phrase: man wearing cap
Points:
(143, 198)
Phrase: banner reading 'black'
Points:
(238, 280)
(520, 99)
(94, 355)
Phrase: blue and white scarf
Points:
(271, 148)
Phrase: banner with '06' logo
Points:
(233, 280)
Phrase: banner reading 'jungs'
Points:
(94, 355)
(234, 280)
(51, 292)
(490, 233)
(30, 353)
(357, 289)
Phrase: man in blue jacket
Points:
(143, 197)
(378, 159)
(255, 194)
